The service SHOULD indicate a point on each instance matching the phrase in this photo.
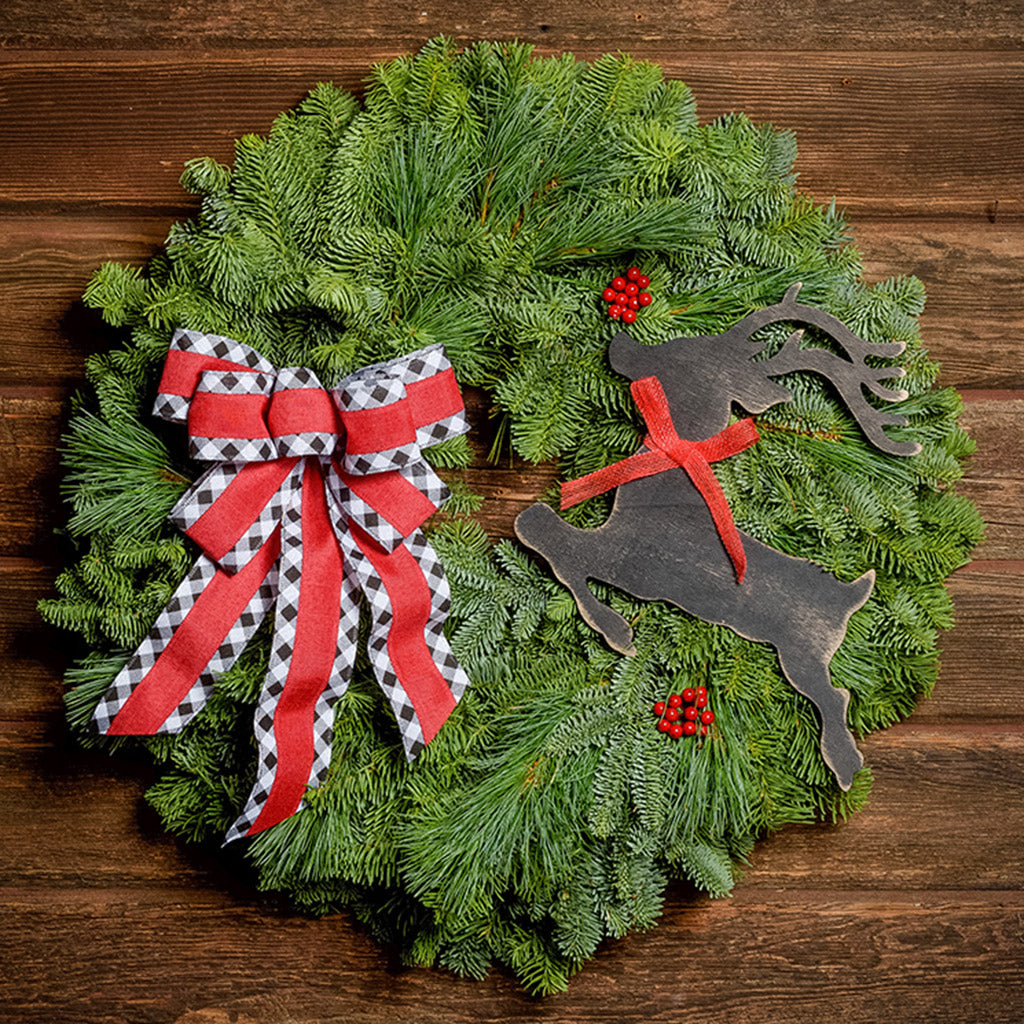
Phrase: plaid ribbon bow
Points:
(314, 497)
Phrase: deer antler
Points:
(849, 377)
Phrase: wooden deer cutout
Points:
(660, 542)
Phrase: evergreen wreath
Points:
(483, 199)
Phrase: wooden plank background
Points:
(912, 116)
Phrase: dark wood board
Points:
(924, 840)
(380, 27)
(913, 117)
(990, 619)
(773, 956)
(971, 323)
(30, 507)
(113, 130)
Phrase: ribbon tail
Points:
(199, 635)
(315, 634)
(440, 604)
(233, 508)
(736, 437)
(408, 596)
(714, 497)
(635, 467)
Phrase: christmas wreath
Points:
(484, 201)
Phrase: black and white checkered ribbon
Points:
(315, 499)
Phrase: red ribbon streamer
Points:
(667, 450)
(313, 659)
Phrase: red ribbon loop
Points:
(667, 450)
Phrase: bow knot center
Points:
(680, 451)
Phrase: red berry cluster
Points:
(626, 295)
(680, 721)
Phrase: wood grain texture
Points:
(978, 684)
(45, 265)
(114, 130)
(913, 117)
(924, 841)
(970, 268)
(972, 273)
(378, 27)
(30, 507)
(770, 958)
(993, 479)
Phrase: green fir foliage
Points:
(483, 199)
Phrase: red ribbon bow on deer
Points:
(314, 497)
(667, 450)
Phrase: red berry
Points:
(691, 714)
(675, 700)
(633, 304)
(643, 280)
(689, 728)
(633, 273)
(622, 299)
(664, 726)
(631, 289)
(707, 717)
(672, 714)
(701, 691)
(688, 694)
(628, 315)
(659, 708)
(676, 731)
(701, 701)
(608, 294)
(614, 311)
(619, 283)
(644, 297)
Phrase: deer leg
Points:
(608, 622)
(812, 679)
(568, 552)
(805, 664)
